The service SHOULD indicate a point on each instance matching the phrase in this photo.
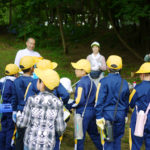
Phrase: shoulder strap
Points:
(116, 107)
(87, 97)
(148, 108)
(3, 90)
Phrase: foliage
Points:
(39, 18)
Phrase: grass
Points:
(9, 46)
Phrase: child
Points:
(98, 64)
(18, 102)
(43, 114)
(112, 90)
(85, 93)
(60, 91)
(11, 72)
(138, 98)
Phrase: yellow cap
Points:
(37, 59)
(114, 62)
(145, 68)
(26, 62)
(49, 77)
(12, 69)
(46, 64)
(82, 64)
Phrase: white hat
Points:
(95, 44)
(66, 82)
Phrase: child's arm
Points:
(60, 123)
(103, 64)
(63, 94)
(100, 98)
(24, 118)
(132, 98)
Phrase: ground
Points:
(9, 45)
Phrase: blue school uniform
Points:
(83, 87)
(19, 89)
(6, 120)
(107, 97)
(140, 97)
(18, 103)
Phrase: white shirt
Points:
(97, 62)
(25, 52)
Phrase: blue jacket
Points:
(107, 95)
(81, 94)
(140, 95)
(60, 91)
(19, 89)
(6, 90)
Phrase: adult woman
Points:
(98, 64)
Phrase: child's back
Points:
(20, 85)
(7, 123)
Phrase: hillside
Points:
(78, 49)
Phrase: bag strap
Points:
(116, 107)
(147, 110)
(88, 97)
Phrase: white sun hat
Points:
(66, 82)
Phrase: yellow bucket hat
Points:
(12, 69)
(83, 64)
(145, 68)
(26, 62)
(46, 64)
(49, 77)
(114, 62)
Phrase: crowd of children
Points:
(40, 105)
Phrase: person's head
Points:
(27, 65)
(30, 43)
(95, 47)
(12, 70)
(144, 71)
(48, 79)
(66, 82)
(46, 64)
(82, 67)
(114, 63)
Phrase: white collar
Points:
(96, 57)
(29, 50)
(10, 78)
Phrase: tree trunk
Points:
(121, 39)
(61, 31)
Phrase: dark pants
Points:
(7, 132)
(136, 142)
(89, 125)
(118, 129)
(19, 138)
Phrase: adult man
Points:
(29, 51)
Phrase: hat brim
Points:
(95, 45)
(54, 64)
(139, 71)
(75, 65)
